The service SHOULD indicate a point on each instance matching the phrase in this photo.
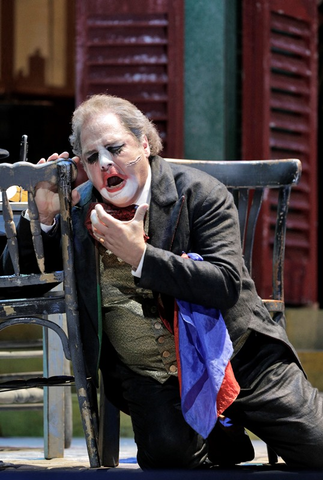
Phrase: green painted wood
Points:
(210, 72)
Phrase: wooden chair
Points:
(36, 308)
(247, 180)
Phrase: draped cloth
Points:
(204, 349)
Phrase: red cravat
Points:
(123, 214)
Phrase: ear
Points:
(146, 146)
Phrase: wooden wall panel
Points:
(135, 50)
(280, 121)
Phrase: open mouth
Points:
(114, 181)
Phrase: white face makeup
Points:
(114, 160)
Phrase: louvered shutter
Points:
(280, 121)
(134, 49)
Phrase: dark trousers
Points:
(163, 438)
(276, 402)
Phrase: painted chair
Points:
(46, 310)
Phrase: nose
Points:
(105, 160)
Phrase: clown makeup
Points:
(115, 161)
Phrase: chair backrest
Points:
(27, 176)
(60, 175)
(247, 181)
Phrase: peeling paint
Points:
(9, 310)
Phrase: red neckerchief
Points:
(124, 214)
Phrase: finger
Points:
(56, 156)
(52, 157)
(97, 234)
(103, 216)
(141, 212)
(94, 218)
(75, 197)
(97, 222)
(63, 155)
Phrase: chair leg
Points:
(88, 419)
(53, 364)
(87, 403)
(68, 416)
(109, 431)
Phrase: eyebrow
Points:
(90, 152)
(107, 146)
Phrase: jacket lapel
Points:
(166, 205)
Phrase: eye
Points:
(115, 150)
(92, 158)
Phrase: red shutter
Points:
(134, 49)
(280, 121)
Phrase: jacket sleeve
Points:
(209, 226)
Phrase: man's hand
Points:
(46, 194)
(124, 239)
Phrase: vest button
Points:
(161, 339)
(173, 369)
(166, 354)
(158, 325)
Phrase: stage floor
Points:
(23, 459)
(27, 453)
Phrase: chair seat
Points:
(51, 303)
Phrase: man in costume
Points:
(136, 258)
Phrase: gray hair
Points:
(130, 116)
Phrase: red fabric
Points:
(229, 390)
(123, 214)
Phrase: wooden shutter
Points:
(134, 49)
(279, 120)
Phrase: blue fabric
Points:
(205, 349)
